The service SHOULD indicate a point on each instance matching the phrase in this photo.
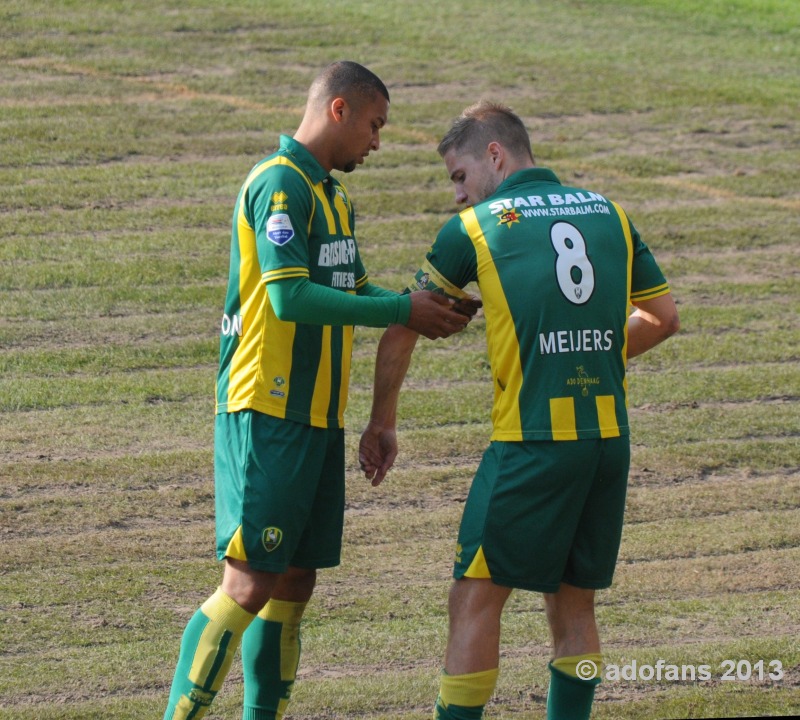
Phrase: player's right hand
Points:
(434, 316)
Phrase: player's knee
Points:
(570, 607)
(296, 585)
(251, 589)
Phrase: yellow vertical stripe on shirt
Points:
(321, 399)
(276, 361)
(562, 418)
(253, 292)
(501, 336)
(344, 214)
(344, 384)
(326, 208)
(626, 229)
(252, 350)
(607, 416)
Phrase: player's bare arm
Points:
(652, 322)
(378, 447)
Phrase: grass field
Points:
(126, 129)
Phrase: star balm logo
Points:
(271, 538)
(508, 218)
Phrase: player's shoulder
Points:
(280, 166)
(279, 177)
(453, 231)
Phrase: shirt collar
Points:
(303, 158)
(536, 174)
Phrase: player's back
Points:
(554, 267)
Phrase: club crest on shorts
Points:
(271, 538)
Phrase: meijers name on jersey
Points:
(566, 341)
(338, 252)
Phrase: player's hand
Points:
(434, 315)
(468, 306)
(377, 452)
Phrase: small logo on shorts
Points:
(271, 538)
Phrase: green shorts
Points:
(279, 491)
(542, 513)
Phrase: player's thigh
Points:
(267, 472)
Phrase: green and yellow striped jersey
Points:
(292, 220)
(557, 269)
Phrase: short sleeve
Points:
(647, 280)
(450, 264)
(278, 206)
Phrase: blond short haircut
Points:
(483, 123)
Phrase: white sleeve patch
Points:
(279, 229)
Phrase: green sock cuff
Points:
(470, 690)
(249, 713)
(224, 610)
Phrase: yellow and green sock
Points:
(572, 683)
(463, 697)
(207, 649)
(270, 656)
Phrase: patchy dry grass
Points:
(127, 129)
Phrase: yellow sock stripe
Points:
(288, 614)
(218, 641)
(283, 611)
(568, 664)
(469, 690)
(222, 609)
(192, 708)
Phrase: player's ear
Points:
(496, 153)
(338, 109)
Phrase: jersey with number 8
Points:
(557, 269)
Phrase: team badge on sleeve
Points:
(279, 229)
(429, 278)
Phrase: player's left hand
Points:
(377, 451)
